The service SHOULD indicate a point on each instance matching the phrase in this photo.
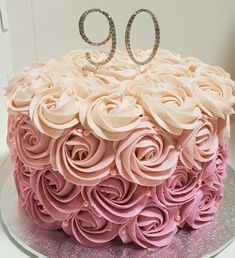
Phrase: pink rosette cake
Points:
(119, 151)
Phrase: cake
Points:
(120, 150)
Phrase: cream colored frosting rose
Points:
(213, 96)
(172, 109)
(54, 110)
(205, 70)
(139, 87)
(122, 67)
(110, 114)
(171, 89)
(23, 88)
(56, 67)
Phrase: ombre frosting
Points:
(121, 150)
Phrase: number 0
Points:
(127, 37)
(111, 35)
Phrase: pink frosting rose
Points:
(221, 165)
(37, 211)
(204, 207)
(154, 226)
(59, 197)
(116, 199)
(180, 188)
(82, 158)
(200, 145)
(215, 171)
(147, 156)
(89, 228)
(29, 201)
(22, 176)
(32, 147)
(23, 173)
(224, 132)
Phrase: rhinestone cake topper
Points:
(113, 37)
(157, 37)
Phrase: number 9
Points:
(111, 35)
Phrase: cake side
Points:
(120, 150)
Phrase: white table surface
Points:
(9, 250)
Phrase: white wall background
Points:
(204, 28)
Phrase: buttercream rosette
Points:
(154, 226)
(116, 199)
(30, 202)
(204, 207)
(110, 114)
(120, 150)
(147, 156)
(199, 145)
(32, 147)
(59, 197)
(82, 158)
(90, 228)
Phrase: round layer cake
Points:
(121, 150)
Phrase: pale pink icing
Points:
(90, 229)
(32, 147)
(147, 156)
(154, 226)
(116, 199)
(82, 158)
(59, 197)
(199, 145)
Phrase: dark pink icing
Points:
(179, 189)
(89, 228)
(215, 171)
(204, 207)
(32, 147)
(37, 211)
(29, 201)
(59, 197)
(116, 199)
(154, 226)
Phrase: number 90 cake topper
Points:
(112, 35)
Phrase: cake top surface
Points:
(111, 100)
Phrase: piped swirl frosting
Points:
(110, 100)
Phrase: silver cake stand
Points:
(206, 242)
